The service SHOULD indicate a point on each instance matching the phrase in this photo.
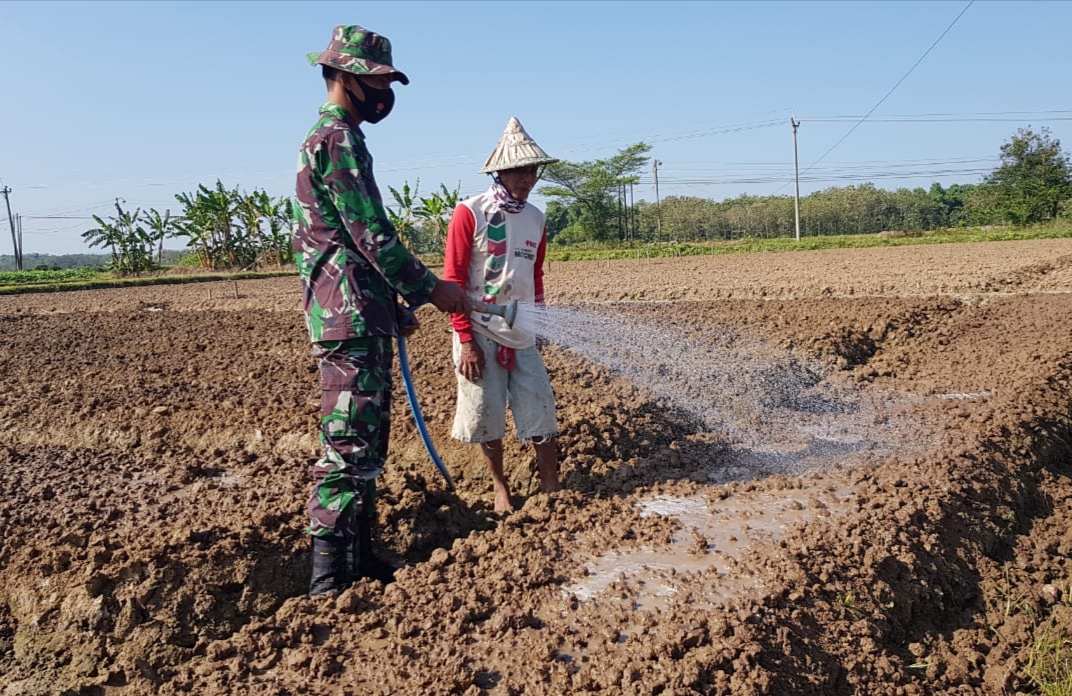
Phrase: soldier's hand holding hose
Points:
(449, 297)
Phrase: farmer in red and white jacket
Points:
(495, 250)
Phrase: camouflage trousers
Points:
(355, 427)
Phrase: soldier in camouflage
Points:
(352, 267)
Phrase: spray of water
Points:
(781, 413)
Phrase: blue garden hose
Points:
(411, 395)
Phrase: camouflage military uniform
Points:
(351, 265)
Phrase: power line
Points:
(57, 217)
(400, 165)
(863, 166)
(913, 167)
(55, 230)
(436, 163)
(109, 203)
(966, 114)
(938, 120)
(964, 158)
(82, 209)
(704, 134)
(788, 178)
(821, 176)
(892, 89)
(586, 144)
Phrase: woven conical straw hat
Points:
(515, 149)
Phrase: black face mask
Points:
(377, 104)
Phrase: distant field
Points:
(848, 241)
(16, 282)
(63, 276)
(19, 282)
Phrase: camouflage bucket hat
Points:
(357, 50)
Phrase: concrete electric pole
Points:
(796, 174)
(11, 221)
(655, 164)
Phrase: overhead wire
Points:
(54, 230)
(890, 91)
(667, 183)
(434, 163)
(832, 168)
(941, 120)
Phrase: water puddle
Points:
(755, 410)
(706, 550)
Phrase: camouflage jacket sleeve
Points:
(345, 168)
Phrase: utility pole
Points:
(655, 164)
(632, 213)
(621, 214)
(18, 223)
(11, 221)
(796, 174)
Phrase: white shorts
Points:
(480, 415)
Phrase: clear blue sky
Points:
(144, 100)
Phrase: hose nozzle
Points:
(507, 311)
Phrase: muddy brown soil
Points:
(155, 446)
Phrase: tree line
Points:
(1032, 183)
(59, 262)
(224, 228)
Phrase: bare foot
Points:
(547, 465)
(550, 486)
(493, 453)
(548, 470)
(502, 502)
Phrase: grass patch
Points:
(16, 282)
(1049, 660)
(1044, 660)
(46, 277)
(590, 252)
(106, 280)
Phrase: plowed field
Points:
(881, 506)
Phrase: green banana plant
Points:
(160, 227)
(404, 219)
(436, 211)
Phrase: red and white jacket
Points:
(497, 257)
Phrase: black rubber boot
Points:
(331, 571)
(365, 563)
(368, 565)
